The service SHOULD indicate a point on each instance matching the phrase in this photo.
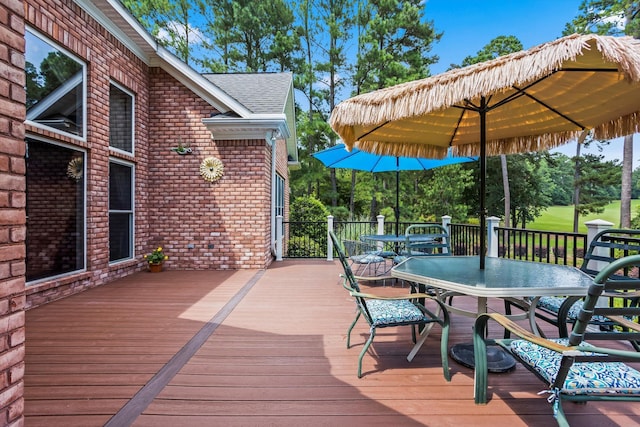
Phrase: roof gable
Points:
(260, 93)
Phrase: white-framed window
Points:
(121, 209)
(56, 209)
(121, 118)
(56, 87)
(279, 202)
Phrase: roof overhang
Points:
(117, 20)
(257, 126)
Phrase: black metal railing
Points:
(308, 239)
(305, 239)
(541, 246)
(465, 239)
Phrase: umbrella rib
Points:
(550, 108)
(373, 130)
(455, 129)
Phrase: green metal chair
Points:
(575, 369)
(425, 240)
(606, 246)
(391, 311)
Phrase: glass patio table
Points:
(523, 281)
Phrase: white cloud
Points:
(196, 37)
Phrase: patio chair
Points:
(366, 260)
(391, 311)
(574, 369)
(425, 240)
(606, 246)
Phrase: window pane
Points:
(120, 179)
(119, 236)
(120, 119)
(55, 87)
(55, 210)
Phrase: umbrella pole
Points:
(483, 175)
(397, 201)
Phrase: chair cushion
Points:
(366, 259)
(584, 377)
(386, 312)
(398, 259)
(553, 304)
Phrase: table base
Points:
(498, 360)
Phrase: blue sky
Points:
(468, 25)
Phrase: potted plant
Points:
(155, 260)
(181, 149)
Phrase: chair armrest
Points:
(625, 322)
(518, 330)
(390, 298)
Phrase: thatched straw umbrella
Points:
(531, 100)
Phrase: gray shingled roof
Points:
(262, 93)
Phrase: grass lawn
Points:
(560, 218)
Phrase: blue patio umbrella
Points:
(338, 157)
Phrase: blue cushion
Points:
(584, 377)
(553, 304)
(366, 259)
(386, 312)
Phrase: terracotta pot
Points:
(155, 268)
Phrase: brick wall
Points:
(219, 225)
(201, 225)
(12, 212)
(107, 61)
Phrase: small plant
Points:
(181, 149)
(156, 257)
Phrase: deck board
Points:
(279, 357)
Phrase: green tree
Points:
(171, 22)
(499, 46)
(394, 45)
(444, 194)
(394, 39)
(596, 182)
(529, 182)
(253, 36)
(612, 17)
(560, 170)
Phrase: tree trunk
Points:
(507, 192)
(576, 179)
(627, 170)
(352, 194)
(334, 188)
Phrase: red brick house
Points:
(91, 112)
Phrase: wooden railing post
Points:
(329, 241)
(492, 236)
(593, 228)
(279, 238)
(380, 219)
(446, 224)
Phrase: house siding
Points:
(12, 212)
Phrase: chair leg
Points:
(444, 350)
(351, 328)
(480, 359)
(364, 350)
(507, 312)
(561, 418)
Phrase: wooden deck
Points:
(256, 348)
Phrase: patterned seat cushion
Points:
(583, 378)
(553, 304)
(367, 259)
(386, 312)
